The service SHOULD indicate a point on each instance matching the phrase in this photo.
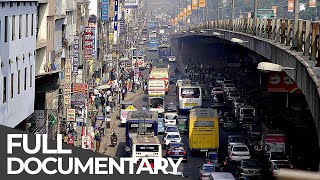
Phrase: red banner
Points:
(80, 88)
(281, 82)
(88, 43)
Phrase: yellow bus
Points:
(203, 130)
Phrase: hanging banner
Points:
(290, 5)
(281, 82)
(194, 4)
(71, 115)
(104, 10)
(189, 12)
(202, 3)
(67, 81)
(88, 42)
(274, 8)
(312, 3)
(75, 55)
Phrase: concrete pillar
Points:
(307, 38)
(300, 36)
(273, 29)
(277, 32)
(315, 31)
(288, 32)
(283, 30)
(269, 28)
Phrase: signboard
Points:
(281, 82)
(202, 3)
(122, 25)
(136, 74)
(88, 43)
(104, 10)
(290, 5)
(80, 88)
(75, 55)
(71, 115)
(111, 9)
(194, 5)
(189, 10)
(67, 81)
(116, 6)
(86, 142)
(131, 3)
(274, 10)
(312, 3)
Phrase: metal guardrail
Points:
(277, 30)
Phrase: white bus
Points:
(189, 94)
(146, 146)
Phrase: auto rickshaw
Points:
(182, 124)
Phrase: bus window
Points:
(141, 128)
(203, 124)
(190, 92)
(147, 148)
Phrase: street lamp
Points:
(266, 67)
(239, 41)
(217, 34)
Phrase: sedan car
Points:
(235, 139)
(171, 107)
(219, 80)
(176, 151)
(231, 96)
(216, 90)
(249, 168)
(208, 168)
(228, 87)
(277, 166)
(171, 138)
(238, 101)
(239, 152)
(170, 118)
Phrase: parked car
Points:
(206, 169)
(239, 152)
(171, 138)
(249, 168)
(176, 151)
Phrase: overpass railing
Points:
(277, 30)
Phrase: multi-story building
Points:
(18, 22)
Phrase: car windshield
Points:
(211, 169)
(171, 129)
(278, 156)
(236, 139)
(171, 117)
(240, 149)
(176, 146)
(250, 164)
(173, 136)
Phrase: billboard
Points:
(75, 55)
(281, 82)
(88, 43)
(104, 10)
(202, 3)
(131, 3)
(290, 5)
(194, 4)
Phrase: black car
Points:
(249, 168)
(176, 151)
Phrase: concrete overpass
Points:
(272, 39)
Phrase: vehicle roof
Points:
(139, 114)
(222, 176)
(239, 145)
(187, 83)
(203, 112)
(142, 139)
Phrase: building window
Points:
(19, 81)
(20, 26)
(27, 24)
(31, 24)
(4, 92)
(13, 30)
(31, 76)
(25, 78)
(12, 92)
(6, 28)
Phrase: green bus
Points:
(265, 13)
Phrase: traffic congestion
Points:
(202, 119)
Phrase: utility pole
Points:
(255, 15)
(232, 15)
(218, 10)
(295, 24)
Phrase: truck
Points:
(161, 74)
(245, 115)
(156, 104)
(203, 130)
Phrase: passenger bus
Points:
(189, 95)
(146, 146)
(265, 13)
(164, 51)
(139, 122)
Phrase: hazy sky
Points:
(93, 7)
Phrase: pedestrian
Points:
(97, 102)
(123, 93)
(132, 87)
(97, 137)
(110, 100)
(102, 101)
(108, 110)
(103, 110)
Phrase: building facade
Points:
(18, 25)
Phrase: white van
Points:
(221, 176)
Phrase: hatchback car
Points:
(171, 107)
(239, 152)
(172, 59)
(170, 118)
(235, 139)
(171, 129)
(176, 151)
(171, 138)
(216, 90)
(206, 169)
